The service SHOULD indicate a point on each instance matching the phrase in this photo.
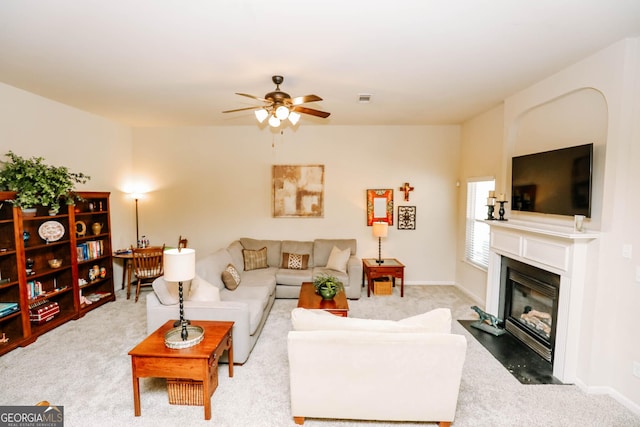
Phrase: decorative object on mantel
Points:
(406, 188)
(327, 286)
(279, 106)
(380, 206)
(501, 201)
(406, 217)
(380, 230)
(491, 205)
(38, 184)
(487, 322)
(180, 266)
(298, 191)
(578, 223)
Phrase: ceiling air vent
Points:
(364, 98)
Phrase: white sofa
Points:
(349, 368)
(249, 304)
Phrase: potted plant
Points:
(327, 286)
(38, 184)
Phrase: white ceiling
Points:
(176, 62)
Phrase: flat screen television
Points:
(553, 182)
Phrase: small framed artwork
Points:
(380, 206)
(406, 217)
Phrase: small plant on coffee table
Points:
(327, 286)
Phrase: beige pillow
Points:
(201, 290)
(295, 261)
(255, 259)
(435, 321)
(167, 292)
(338, 259)
(230, 277)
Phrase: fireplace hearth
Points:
(529, 305)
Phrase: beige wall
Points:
(481, 155)
(213, 185)
(34, 126)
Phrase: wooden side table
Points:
(310, 300)
(151, 358)
(389, 267)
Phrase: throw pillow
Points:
(338, 259)
(295, 261)
(167, 292)
(255, 259)
(230, 277)
(201, 290)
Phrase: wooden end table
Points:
(389, 267)
(310, 300)
(151, 358)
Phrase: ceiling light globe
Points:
(261, 114)
(274, 121)
(294, 117)
(282, 112)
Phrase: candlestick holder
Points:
(490, 210)
(501, 210)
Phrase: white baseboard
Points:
(615, 394)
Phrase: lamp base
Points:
(380, 261)
(173, 337)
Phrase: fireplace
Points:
(529, 305)
(557, 251)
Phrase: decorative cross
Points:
(406, 188)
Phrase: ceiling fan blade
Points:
(311, 111)
(253, 97)
(307, 98)
(243, 109)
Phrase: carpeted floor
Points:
(83, 366)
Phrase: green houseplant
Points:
(38, 184)
(327, 286)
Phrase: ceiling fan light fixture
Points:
(294, 117)
(282, 112)
(274, 122)
(261, 114)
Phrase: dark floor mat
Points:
(516, 357)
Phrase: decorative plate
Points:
(51, 231)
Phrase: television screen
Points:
(553, 182)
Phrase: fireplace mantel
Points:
(557, 249)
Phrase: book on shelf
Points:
(7, 308)
(89, 250)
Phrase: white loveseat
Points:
(249, 304)
(349, 368)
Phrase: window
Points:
(476, 248)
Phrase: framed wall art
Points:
(406, 217)
(298, 191)
(380, 206)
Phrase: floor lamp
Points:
(380, 230)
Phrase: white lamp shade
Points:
(261, 114)
(274, 121)
(380, 229)
(282, 112)
(294, 117)
(179, 265)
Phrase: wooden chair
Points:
(148, 265)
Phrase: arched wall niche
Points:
(575, 118)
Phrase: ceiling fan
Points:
(280, 106)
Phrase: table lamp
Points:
(180, 266)
(380, 230)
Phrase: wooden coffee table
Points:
(310, 300)
(151, 358)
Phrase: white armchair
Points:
(347, 368)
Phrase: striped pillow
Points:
(255, 259)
